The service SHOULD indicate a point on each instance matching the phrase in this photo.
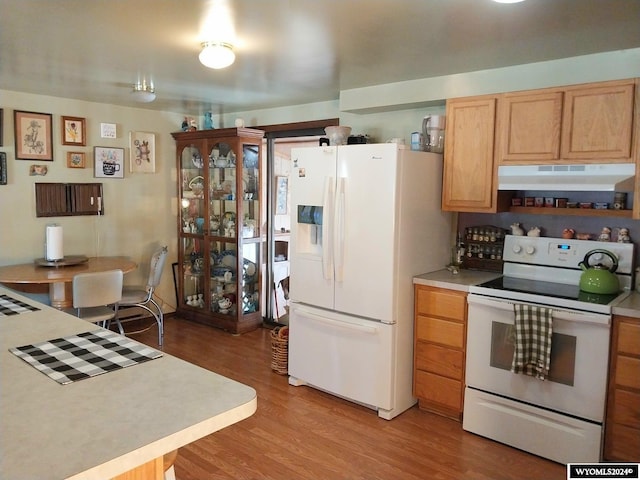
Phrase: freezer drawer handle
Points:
(345, 325)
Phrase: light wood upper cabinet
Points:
(597, 122)
(529, 126)
(469, 174)
(577, 124)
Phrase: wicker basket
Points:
(280, 350)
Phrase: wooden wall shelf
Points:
(581, 212)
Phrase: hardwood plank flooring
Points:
(303, 433)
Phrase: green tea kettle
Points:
(599, 278)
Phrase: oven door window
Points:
(563, 353)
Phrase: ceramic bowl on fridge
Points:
(337, 135)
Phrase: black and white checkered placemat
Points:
(76, 357)
(11, 306)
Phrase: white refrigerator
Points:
(366, 219)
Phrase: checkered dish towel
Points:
(532, 353)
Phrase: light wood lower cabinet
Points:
(622, 426)
(439, 349)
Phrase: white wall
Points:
(140, 210)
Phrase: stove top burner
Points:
(548, 289)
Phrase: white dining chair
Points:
(96, 297)
(142, 295)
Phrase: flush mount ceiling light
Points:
(508, 1)
(216, 54)
(143, 92)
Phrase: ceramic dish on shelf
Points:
(228, 258)
(221, 161)
(197, 161)
(227, 218)
(196, 184)
(248, 269)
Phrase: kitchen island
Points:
(103, 426)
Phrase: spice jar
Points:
(620, 201)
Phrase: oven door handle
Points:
(558, 313)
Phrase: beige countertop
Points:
(102, 426)
(629, 307)
(460, 281)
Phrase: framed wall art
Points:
(108, 162)
(33, 135)
(1, 129)
(38, 170)
(282, 190)
(75, 159)
(74, 131)
(3, 168)
(142, 152)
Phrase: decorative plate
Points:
(228, 258)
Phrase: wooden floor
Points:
(302, 433)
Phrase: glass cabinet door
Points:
(193, 273)
(250, 230)
(192, 224)
(224, 277)
(192, 191)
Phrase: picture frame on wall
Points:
(76, 159)
(73, 130)
(33, 136)
(3, 168)
(1, 125)
(142, 152)
(282, 191)
(108, 162)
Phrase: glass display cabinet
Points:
(220, 247)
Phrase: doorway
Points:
(277, 145)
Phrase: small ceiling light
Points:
(216, 54)
(508, 1)
(143, 92)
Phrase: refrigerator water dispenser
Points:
(310, 223)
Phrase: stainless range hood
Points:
(589, 177)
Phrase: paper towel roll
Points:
(53, 243)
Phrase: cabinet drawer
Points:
(444, 332)
(437, 389)
(626, 409)
(441, 303)
(629, 338)
(440, 360)
(622, 443)
(628, 372)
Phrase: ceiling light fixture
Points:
(143, 92)
(217, 54)
(508, 1)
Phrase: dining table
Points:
(56, 277)
(58, 422)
